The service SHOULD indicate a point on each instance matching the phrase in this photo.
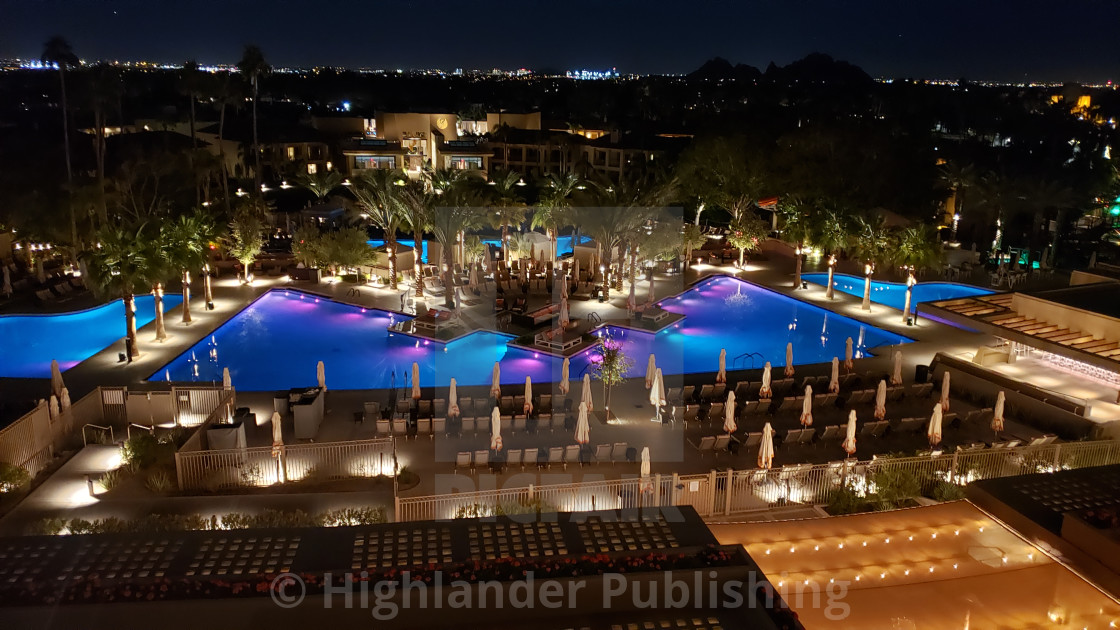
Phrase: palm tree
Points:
(872, 244)
(829, 233)
(378, 195)
(122, 261)
(550, 213)
(321, 183)
(416, 214)
(692, 237)
(504, 192)
(190, 84)
(456, 213)
(958, 178)
(253, 66)
(917, 247)
(795, 229)
(57, 51)
(186, 243)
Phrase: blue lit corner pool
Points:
(28, 343)
(276, 342)
(893, 294)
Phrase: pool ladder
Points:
(744, 357)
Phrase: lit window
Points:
(312, 169)
(291, 153)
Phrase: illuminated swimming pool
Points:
(28, 343)
(563, 243)
(893, 294)
(276, 341)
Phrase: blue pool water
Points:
(563, 243)
(276, 342)
(893, 294)
(28, 343)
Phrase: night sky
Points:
(979, 39)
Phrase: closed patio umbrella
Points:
(766, 448)
(848, 362)
(565, 370)
(277, 431)
(563, 287)
(631, 301)
(896, 373)
(934, 431)
(997, 412)
(82, 269)
(645, 462)
(56, 379)
(321, 374)
(415, 381)
(834, 380)
(764, 391)
(587, 393)
(575, 271)
(721, 374)
(807, 407)
(472, 278)
(651, 369)
(657, 390)
(881, 401)
(495, 382)
(849, 443)
(53, 407)
(729, 423)
(495, 430)
(453, 401)
(528, 395)
(64, 402)
(583, 431)
(227, 382)
(945, 391)
(789, 360)
(565, 316)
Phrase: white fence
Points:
(265, 466)
(730, 491)
(31, 441)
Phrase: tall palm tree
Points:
(916, 248)
(456, 212)
(222, 90)
(254, 66)
(57, 51)
(796, 229)
(185, 247)
(871, 243)
(959, 178)
(416, 203)
(377, 192)
(830, 234)
(505, 193)
(550, 213)
(190, 85)
(123, 261)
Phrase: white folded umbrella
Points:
(834, 381)
(528, 408)
(849, 443)
(565, 370)
(997, 412)
(651, 368)
(227, 382)
(495, 430)
(721, 375)
(934, 430)
(657, 389)
(56, 379)
(764, 391)
(321, 374)
(807, 407)
(848, 354)
(415, 380)
(945, 391)
(495, 382)
(64, 402)
(453, 401)
(583, 431)
(766, 448)
(896, 373)
(789, 360)
(729, 424)
(881, 401)
(587, 393)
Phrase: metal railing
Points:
(737, 491)
(98, 427)
(266, 466)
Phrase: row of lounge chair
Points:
(619, 452)
(468, 407)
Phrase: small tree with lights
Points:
(610, 367)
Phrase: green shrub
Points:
(845, 500)
(12, 477)
(141, 451)
(47, 527)
(407, 477)
(354, 516)
(946, 491)
(159, 482)
(176, 436)
(236, 520)
(111, 478)
(894, 485)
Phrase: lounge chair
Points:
(673, 395)
(519, 424)
(722, 443)
(880, 428)
(618, 452)
(793, 436)
(424, 426)
(691, 413)
(439, 408)
(481, 459)
(546, 403)
(751, 406)
(895, 393)
(468, 424)
(753, 440)
(555, 455)
(462, 460)
(715, 412)
(706, 392)
(571, 455)
(439, 425)
(764, 406)
(506, 406)
(688, 394)
(921, 390)
(603, 453)
(706, 444)
(529, 457)
(832, 432)
(400, 426)
(383, 427)
(424, 409)
(742, 390)
(506, 422)
(372, 411)
(806, 436)
(513, 457)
